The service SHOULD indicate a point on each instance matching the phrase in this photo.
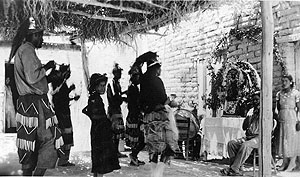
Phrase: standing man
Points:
(115, 100)
(38, 138)
(61, 101)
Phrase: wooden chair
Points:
(255, 152)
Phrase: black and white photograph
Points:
(150, 88)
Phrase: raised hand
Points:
(72, 87)
(50, 64)
(76, 97)
(67, 74)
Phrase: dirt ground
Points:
(9, 165)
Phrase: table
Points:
(218, 131)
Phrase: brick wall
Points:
(196, 37)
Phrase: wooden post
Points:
(266, 114)
(85, 64)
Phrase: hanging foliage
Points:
(222, 79)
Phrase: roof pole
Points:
(266, 114)
(85, 64)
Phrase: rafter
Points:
(134, 28)
(92, 16)
(153, 4)
(107, 5)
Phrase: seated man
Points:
(240, 149)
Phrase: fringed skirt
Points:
(160, 131)
(39, 140)
(133, 131)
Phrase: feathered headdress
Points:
(146, 57)
(149, 57)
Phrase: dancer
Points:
(38, 138)
(61, 102)
(104, 154)
(134, 135)
(115, 100)
(161, 134)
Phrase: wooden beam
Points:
(143, 26)
(153, 4)
(85, 63)
(92, 16)
(266, 114)
(297, 65)
(107, 5)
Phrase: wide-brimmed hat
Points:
(95, 79)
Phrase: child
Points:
(104, 154)
(10, 113)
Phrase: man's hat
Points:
(32, 27)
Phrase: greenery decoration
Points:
(219, 83)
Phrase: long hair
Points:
(19, 38)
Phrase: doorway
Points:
(11, 95)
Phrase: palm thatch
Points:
(95, 19)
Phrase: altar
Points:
(217, 132)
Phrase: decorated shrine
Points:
(234, 83)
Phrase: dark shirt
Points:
(152, 92)
(133, 99)
(251, 123)
(114, 97)
(61, 99)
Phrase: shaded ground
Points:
(9, 165)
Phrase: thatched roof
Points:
(95, 19)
